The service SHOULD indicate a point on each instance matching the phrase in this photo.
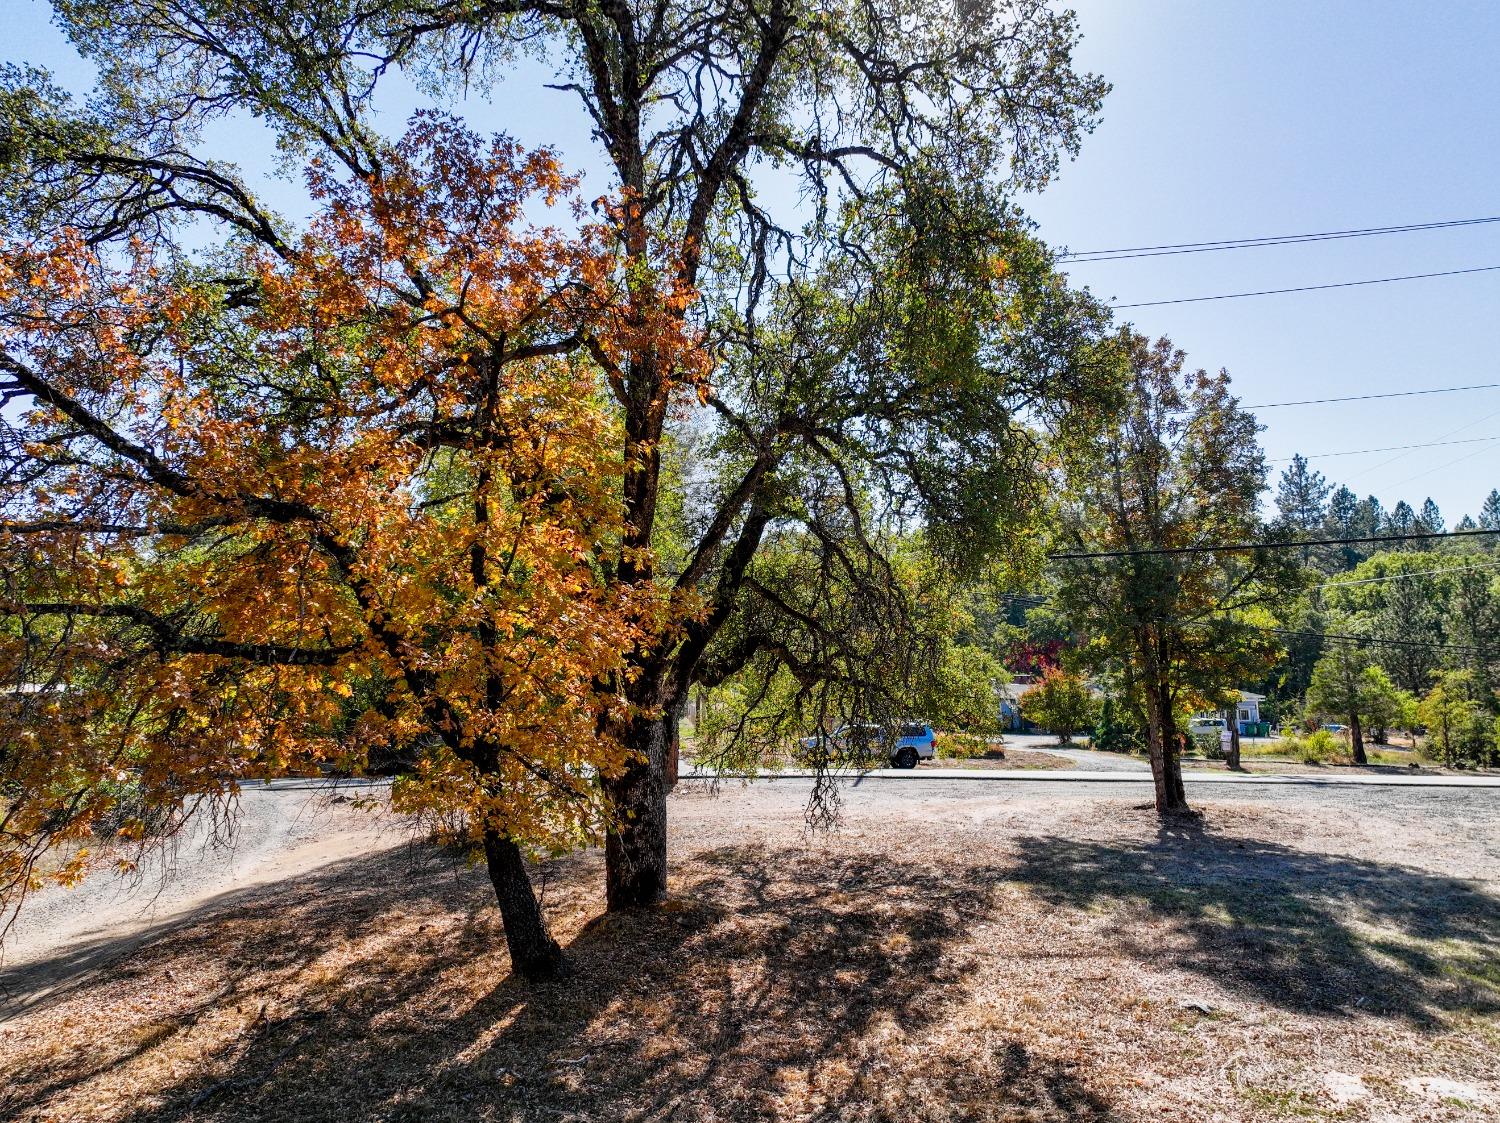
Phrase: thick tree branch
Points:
(170, 636)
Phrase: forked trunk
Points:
(534, 954)
(635, 850)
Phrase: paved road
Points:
(1087, 758)
(1026, 776)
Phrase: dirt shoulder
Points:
(265, 836)
(954, 952)
(1012, 759)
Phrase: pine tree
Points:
(1431, 519)
(1489, 514)
(1403, 519)
(1343, 511)
(1302, 495)
(1343, 521)
(1371, 518)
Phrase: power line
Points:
(1371, 397)
(1336, 584)
(1251, 547)
(1333, 635)
(1086, 256)
(1440, 437)
(1041, 598)
(1448, 464)
(1309, 288)
(1388, 448)
(1366, 639)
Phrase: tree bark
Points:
(1356, 742)
(1231, 716)
(534, 954)
(1166, 756)
(635, 850)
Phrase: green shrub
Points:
(962, 746)
(1317, 747)
(1209, 745)
(1060, 703)
(1111, 733)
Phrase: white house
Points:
(1249, 707)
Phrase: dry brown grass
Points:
(1013, 758)
(1065, 959)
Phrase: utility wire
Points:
(1372, 397)
(1251, 547)
(1368, 639)
(1041, 598)
(1309, 288)
(1448, 464)
(1336, 584)
(1086, 256)
(1464, 428)
(1388, 448)
(1332, 635)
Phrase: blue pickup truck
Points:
(914, 741)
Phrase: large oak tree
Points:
(903, 126)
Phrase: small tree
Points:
(1338, 690)
(1112, 734)
(1060, 704)
(1444, 713)
(1380, 702)
(1408, 714)
(1177, 466)
(1456, 723)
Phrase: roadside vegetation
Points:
(470, 474)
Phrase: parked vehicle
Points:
(1203, 725)
(1334, 727)
(914, 741)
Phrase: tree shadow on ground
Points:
(223, 946)
(1308, 932)
(773, 983)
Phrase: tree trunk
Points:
(534, 954)
(674, 743)
(635, 851)
(1166, 756)
(1356, 742)
(1231, 717)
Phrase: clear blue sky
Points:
(1237, 120)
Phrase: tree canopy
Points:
(762, 396)
(389, 471)
(1176, 468)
